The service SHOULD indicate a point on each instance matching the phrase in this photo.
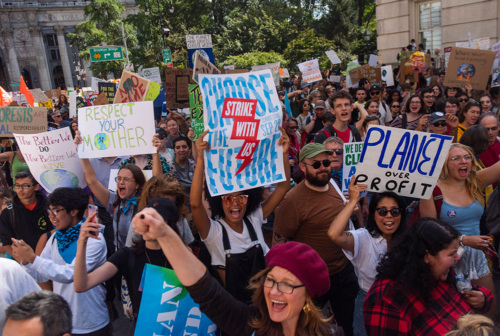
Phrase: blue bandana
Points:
(66, 241)
(128, 201)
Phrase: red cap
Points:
(303, 262)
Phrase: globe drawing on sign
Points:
(202, 52)
(101, 141)
(57, 178)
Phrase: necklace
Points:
(149, 260)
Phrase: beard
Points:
(317, 181)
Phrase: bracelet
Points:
(461, 240)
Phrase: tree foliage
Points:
(247, 60)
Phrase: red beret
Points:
(303, 262)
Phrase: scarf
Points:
(66, 241)
(128, 201)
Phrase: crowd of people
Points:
(296, 258)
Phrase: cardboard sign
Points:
(22, 120)
(237, 71)
(199, 41)
(310, 71)
(332, 55)
(406, 162)
(133, 88)
(177, 85)
(352, 153)
(495, 78)
(244, 132)
(109, 89)
(374, 75)
(275, 70)
(152, 74)
(53, 93)
(469, 65)
(387, 75)
(102, 99)
(52, 159)
(203, 66)
(116, 130)
(167, 308)
(196, 110)
(39, 96)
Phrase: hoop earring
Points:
(306, 309)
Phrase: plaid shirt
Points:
(392, 310)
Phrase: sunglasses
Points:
(240, 199)
(463, 100)
(317, 164)
(338, 151)
(375, 93)
(439, 124)
(395, 212)
(396, 106)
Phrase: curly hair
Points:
(301, 104)
(473, 325)
(471, 184)
(162, 186)
(311, 323)
(404, 263)
(255, 198)
(371, 224)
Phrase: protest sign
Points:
(203, 66)
(196, 110)
(176, 83)
(153, 91)
(167, 308)
(132, 88)
(152, 74)
(310, 71)
(91, 98)
(447, 52)
(373, 60)
(387, 75)
(352, 152)
(332, 55)
(275, 70)
(284, 73)
(495, 78)
(48, 104)
(101, 99)
(22, 120)
(52, 159)
(480, 43)
(469, 65)
(80, 102)
(374, 75)
(244, 132)
(109, 89)
(95, 83)
(72, 104)
(199, 41)
(113, 173)
(229, 67)
(334, 79)
(237, 71)
(39, 96)
(116, 130)
(405, 162)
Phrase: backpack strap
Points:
(405, 121)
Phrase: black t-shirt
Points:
(130, 265)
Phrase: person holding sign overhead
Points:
(233, 235)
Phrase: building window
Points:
(51, 40)
(430, 25)
(54, 55)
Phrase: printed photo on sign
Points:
(22, 120)
(469, 65)
(116, 130)
(406, 162)
(52, 159)
(243, 114)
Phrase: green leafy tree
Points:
(103, 27)
(306, 46)
(247, 60)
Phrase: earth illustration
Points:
(56, 178)
(101, 141)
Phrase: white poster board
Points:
(275, 70)
(52, 159)
(406, 162)
(332, 55)
(116, 129)
(373, 60)
(310, 71)
(199, 41)
(388, 75)
(153, 74)
(352, 153)
(72, 104)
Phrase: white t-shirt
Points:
(240, 242)
(385, 114)
(367, 254)
(14, 284)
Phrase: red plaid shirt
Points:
(392, 310)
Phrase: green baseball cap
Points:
(311, 150)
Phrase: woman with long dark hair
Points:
(415, 291)
(413, 117)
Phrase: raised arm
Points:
(336, 232)
(362, 113)
(275, 198)
(198, 210)
(489, 175)
(7, 156)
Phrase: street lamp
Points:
(171, 7)
(367, 35)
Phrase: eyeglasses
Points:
(240, 199)
(338, 151)
(317, 164)
(439, 124)
(458, 158)
(23, 186)
(395, 106)
(383, 211)
(283, 287)
(374, 93)
(57, 116)
(465, 100)
(54, 212)
(119, 179)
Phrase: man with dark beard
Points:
(305, 214)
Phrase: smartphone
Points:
(92, 209)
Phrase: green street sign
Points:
(103, 54)
(167, 55)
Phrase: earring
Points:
(306, 308)
(443, 176)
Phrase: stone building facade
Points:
(436, 24)
(34, 44)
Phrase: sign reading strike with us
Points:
(52, 158)
(243, 114)
(406, 162)
(116, 129)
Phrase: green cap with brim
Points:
(311, 150)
